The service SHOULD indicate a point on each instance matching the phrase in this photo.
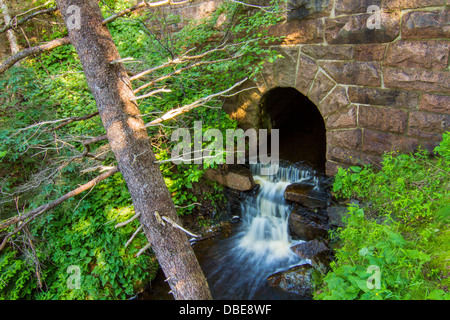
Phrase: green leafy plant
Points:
(402, 229)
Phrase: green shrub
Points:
(402, 229)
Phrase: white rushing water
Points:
(239, 266)
(266, 214)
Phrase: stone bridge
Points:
(377, 87)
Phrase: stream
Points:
(237, 263)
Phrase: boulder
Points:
(335, 215)
(234, 177)
(317, 252)
(297, 280)
(309, 249)
(307, 225)
(306, 195)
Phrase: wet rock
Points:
(234, 177)
(318, 252)
(306, 195)
(321, 261)
(309, 249)
(307, 225)
(297, 280)
(335, 215)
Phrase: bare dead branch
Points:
(185, 58)
(25, 219)
(33, 51)
(164, 65)
(175, 225)
(252, 6)
(134, 236)
(151, 94)
(141, 252)
(64, 41)
(123, 224)
(15, 23)
(176, 112)
(63, 122)
(34, 257)
(75, 119)
(144, 4)
(197, 64)
(95, 140)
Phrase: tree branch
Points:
(15, 23)
(67, 121)
(176, 112)
(142, 5)
(33, 51)
(33, 214)
(197, 64)
(64, 41)
(185, 58)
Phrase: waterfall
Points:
(238, 267)
(267, 213)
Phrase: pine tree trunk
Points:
(130, 143)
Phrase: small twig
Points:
(175, 225)
(177, 72)
(191, 205)
(134, 236)
(33, 51)
(123, 224)
(253, 6)
(15, 23)
(148, 246)
(151, 94)
(101, 168)
(65, 40)
(124, 60)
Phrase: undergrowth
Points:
(35, 153)
(397, 244)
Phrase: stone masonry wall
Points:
(378, 90)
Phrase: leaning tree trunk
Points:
(130, 143)
(10, 33)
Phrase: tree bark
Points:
(10, 33)
(130, 143)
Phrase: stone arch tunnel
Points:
(377, 89)
(302, 128)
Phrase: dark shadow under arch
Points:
(302, 128)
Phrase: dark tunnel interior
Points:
(302, 128)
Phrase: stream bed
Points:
(238, 261)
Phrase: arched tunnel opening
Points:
(301, 126)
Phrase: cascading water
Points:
(237, 267)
